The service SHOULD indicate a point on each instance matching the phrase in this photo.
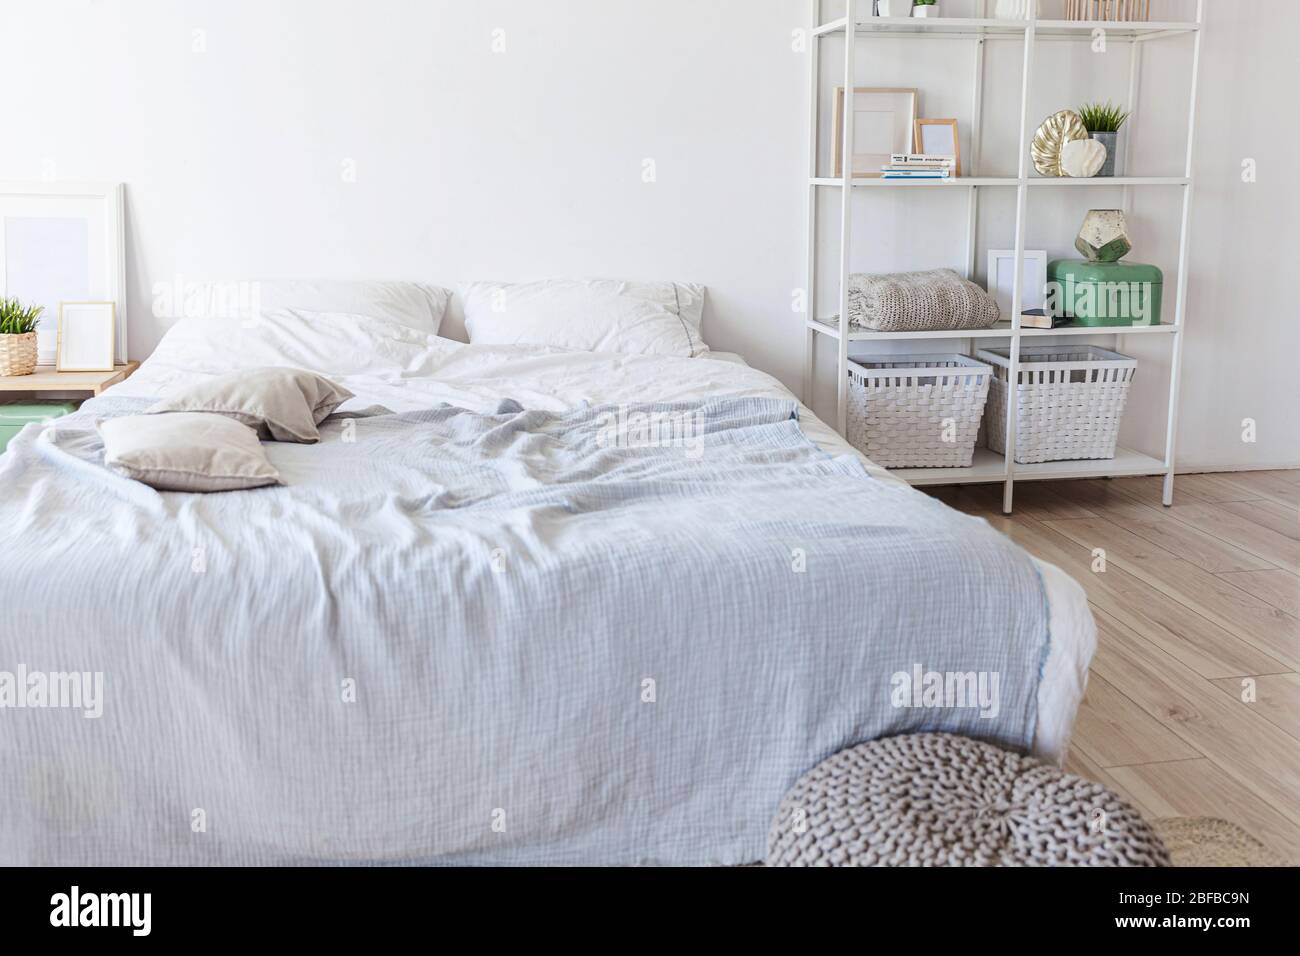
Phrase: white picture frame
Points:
(63, 242)
(884, 120)
(1002, 279)
(87, 337)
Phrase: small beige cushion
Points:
(186, 452)
(283, 404)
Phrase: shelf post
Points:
(1018, 291)
(1134, 88)
(1184, 244)
(846, 215)
(814, 123)
(972, 207)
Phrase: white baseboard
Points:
(1219, 469)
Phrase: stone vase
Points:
(1111, 142)
(1104, 236)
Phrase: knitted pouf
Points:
(943, 800)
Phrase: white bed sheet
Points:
(421, 373)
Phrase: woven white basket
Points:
(917, 411)
(1069, 401)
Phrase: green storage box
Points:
(14, 415)
(1104, 294)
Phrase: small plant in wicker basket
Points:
(18, 336)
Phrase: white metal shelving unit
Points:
(859, 25)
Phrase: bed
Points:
(464, 634)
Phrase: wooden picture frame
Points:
(900, 103)
(87, 337)
(919, 144)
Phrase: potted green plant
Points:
(1103, 123)
(925, 8)
(18, 336)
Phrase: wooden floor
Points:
(1198, 605)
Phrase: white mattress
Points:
(478, 377)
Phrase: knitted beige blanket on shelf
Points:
(930, 301)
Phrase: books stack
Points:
(1041, 319)
(917, 166)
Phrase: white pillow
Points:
(336, 345)
(406, 303)
(595, 315)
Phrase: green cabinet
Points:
(1105, 294)
(14, 415)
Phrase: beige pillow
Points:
(283, 404)
(186, 452)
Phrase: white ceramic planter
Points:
(1016, 9)
(894, 8)
(926, 10)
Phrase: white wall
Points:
(471, 163)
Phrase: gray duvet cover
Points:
(611, 636)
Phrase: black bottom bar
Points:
(613, 907)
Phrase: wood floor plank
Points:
(1149, 491)
(1199, 788)
(1204, 646)
(1277, 699)
(1254, 621)
(1290, 475)
(1215, 487)
(1273, 515)
(1216, 519)
(1114, 731)
(1255, 753)
(1152, 523)
(1279, 588)
(978, 500)
(1038, 500)
(1266, 484)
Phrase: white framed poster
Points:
(62, 242)
(87, 337)
(1002, 279)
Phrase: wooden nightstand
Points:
(73, 384)
(47, 394)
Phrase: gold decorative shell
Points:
(1057, 130)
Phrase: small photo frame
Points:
(938, 137)
(1002, 279)
(882, 125)
(87, 336)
